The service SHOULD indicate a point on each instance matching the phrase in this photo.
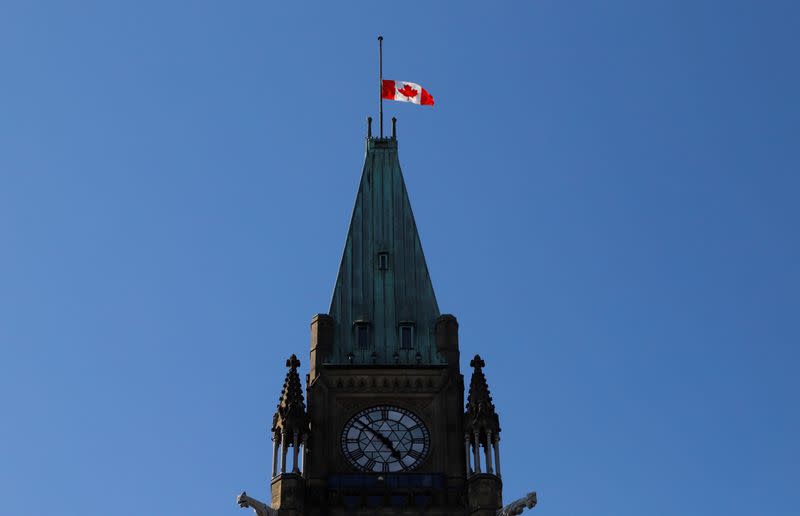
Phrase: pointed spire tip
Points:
(293, 362)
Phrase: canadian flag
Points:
(406, 92)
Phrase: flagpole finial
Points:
(369, 127)
(394, 128)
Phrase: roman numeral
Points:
(370, 464)
(415, 454)
(356, 454)
(418, 440)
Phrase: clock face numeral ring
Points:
(385, 439)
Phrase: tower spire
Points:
(384, 308)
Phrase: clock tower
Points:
(381, 424)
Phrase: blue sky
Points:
(606, 193)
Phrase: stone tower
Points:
(385, 430)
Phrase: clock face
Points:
(385, 439)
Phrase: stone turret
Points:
(480, 420)
(482, 430)
(290, 428)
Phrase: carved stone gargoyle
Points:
(260, 508)
(517, 506)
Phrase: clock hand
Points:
(383, 439)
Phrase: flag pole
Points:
(380, 78)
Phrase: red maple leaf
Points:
(408, 91)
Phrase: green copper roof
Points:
(383, 299)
